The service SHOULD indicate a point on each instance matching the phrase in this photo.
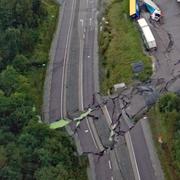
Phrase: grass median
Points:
(119, 46)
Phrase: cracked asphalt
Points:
(167, 35)
(114, 116)
(136, 100)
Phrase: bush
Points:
(21, 63)
(169, 102)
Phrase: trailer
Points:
(147, 36)
(134, 9)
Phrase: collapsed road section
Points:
(117, 147)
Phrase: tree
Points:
(36, 4)
(9, 173)
(6, 137)
(169, 102)
(52, 172)
(12, 169)
(11, 44)
(9, 80)
(21, 63)
(28, 149)
(15, 111)
(6, 13)
(3, 157)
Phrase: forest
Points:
(29, 149)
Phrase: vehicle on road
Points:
(153, 9)
(134, 10)
(147, 35)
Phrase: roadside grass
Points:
(162, 125)
(119, 46)
(40, 56)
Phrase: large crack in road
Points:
(114, 116)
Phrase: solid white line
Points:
(87, 120)
(131, 149)
(107, 116)
(81, 75)
(112, 178)
(65, 61)
(109, 162)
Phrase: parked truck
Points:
(153, 9)
(147, 35)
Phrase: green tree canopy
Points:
(169, 102)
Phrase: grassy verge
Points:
(120, 46)
(164, 125)
(41, 53)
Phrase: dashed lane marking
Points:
(110, 167)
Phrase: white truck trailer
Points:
(148, 38)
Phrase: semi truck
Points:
(147, 35)
(153, 9)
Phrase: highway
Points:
(58, 81)
(72, 84)
(87, 134)
(72, 89)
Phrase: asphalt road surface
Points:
(56, 103)
(146, 170)
(168, 42)
(87, 133)
(72, 84)
(72, 89)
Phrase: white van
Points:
(148, 38)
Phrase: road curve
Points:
(56, 101)
(72, 89)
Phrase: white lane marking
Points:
(88, 56)
(110, 167)
(112, 178)
(86, 131)
(87, 121)
(65, 62)
(107, 115)
(132, 156)
(81, 105)
(81, 77)
(82, 22)
(90, 21)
